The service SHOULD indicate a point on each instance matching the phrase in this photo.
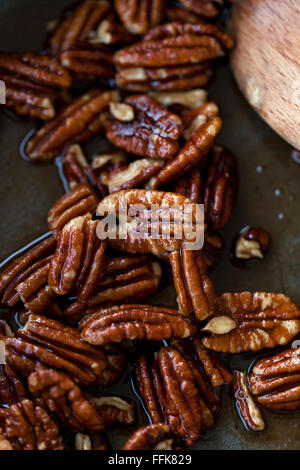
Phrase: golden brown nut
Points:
(89, 440)
(114, 410)
(251, 243)
(138, 16)
(246, 406)
(153, 437)
(4, 443)
(247, 321)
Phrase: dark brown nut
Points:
(195, 290)
(12, 388)
(58, 393)
(111, 33)
(207, 8)
(128, 282)
(79, 260)
(26, 278)
(4, 443)
(213, 249)
(77, 170)
(246, 406)
(49, 343)
(91, 441)
(89, 61)
(5, 329)
(251, 321)
(179, 14)
(251, 243)
(173, 395)
(33, 83)
(165, 221)
(195, 118)
(221, 188)
(29, 427)
(138, 16)
(116, 324)
(77, 26)
(193, 153)
(78, 122)
(114, 410)
(275, 380)
(79, 202)
(145, 128)
(153, 437)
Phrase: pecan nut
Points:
(79, 259)
(116, 324)
(28, 426)
(111, 33)
(114, 410)
(78, 122)
(153, 437)
(49, 343)
(251, 243)
(12, 388)
(246, 406)
(195, 290)
(274, 380)
(4, 443)
(58, 393)
(207, 8)
(33, 83)
(251, 321)
(180, 14)
(5, 329)
(138, 16)
(91, 441)
(80, 201)
(213, 249)
(88, 61)
(143, 127)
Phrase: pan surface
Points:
(268, 198)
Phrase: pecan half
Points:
(26, 278)
(152, 221)
(79, 260)
(89, 61)
(28, 426)
(251, 243)
(275, 380)
(78, 122)
(207, 8)
(12, 388)
(246, 406)
(111, 33)
(49, 343)
(58, 393)
(138, 16)
(251, 322)
(77, 26)
(116, 324)
(153, 437)
(91, 441)
(193, 153)
(33, 83)
(143, 127)
(114, 410)
(195, 290)
(221, 188)
(78, 202)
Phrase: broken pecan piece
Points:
(207, 8)
(33, 83)
(79, 260)
(4, 443)
(28, 426)
(153, 437)
(275, 380)
(246, 406)
(88, 61)
(49, 343)
(114, 410)
(251, 322)
(78, 202)
(195, 290)
(111, 33)
(58, 393)
(91, 441)
(116, 324)
(78, 122)
(138, 16)
(143, 127)
(251, 243)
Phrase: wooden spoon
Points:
(266, 61)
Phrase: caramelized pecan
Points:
(91, 441)
(114, 410)
(78, 202)
(12, 388)
(143, 127)
(89, 61)
(189, 99)
(116, 324)
(77, 122)
(79, 23)
(251, 322)
(246, 406)
(49, 343)
(153, 437)
(111, 33)
(220, 188)
(28, 426)
(79, 260)
(251, 243)
(138, 16)
(275, 380)
(58, 393)
(33, 83)
(207, 8)
(195, 290)
(179, 14)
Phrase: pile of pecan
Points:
(83, 302)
